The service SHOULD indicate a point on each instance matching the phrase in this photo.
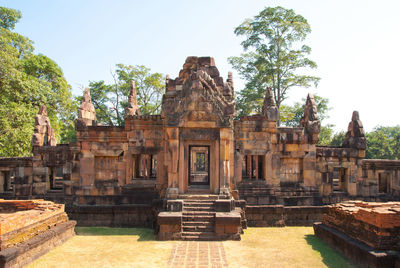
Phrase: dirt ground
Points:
(137, 247)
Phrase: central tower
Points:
(198, 107)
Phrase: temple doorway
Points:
(199, 168)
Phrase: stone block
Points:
(223, 205)
(174, 205)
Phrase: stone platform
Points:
(366, 232)
(31, 228)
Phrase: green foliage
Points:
(28, 81)
(110, 100)
(9, 17)
(383, 143)
(338, 139)
(291, 114)
(325, 136)
(274, 55)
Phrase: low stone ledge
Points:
(279, 215)
(169, 218)
(228, 225)
(358, 252)
(134, 215)
(28, 251)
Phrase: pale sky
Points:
(355, 43)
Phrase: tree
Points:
(290, 115)
(110, 100)
(338, 139)
(383, 143)
(27, 81)
(274, 55)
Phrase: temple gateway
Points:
(194, 171)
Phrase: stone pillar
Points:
(226, 137)
(171, 161)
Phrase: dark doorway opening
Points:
(199, 165)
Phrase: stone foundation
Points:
(135, 215)
(358, 252)
(366, 232)
(375, 224)
(31, 228)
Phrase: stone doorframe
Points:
(184, 155)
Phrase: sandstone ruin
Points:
(194, 171)
(366, 232)
(31, 228)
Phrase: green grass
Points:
(282, 247)
(137, 247)
(145, 234)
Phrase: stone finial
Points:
(269, 109)
(310, 119)
(43, 134)
(132, 108)
(355, 135)
(42, 110)
(86, 112)
(230, 78)
(228, 87)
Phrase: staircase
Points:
(198, 217)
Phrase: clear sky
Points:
(356, 44)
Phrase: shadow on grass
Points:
(330, 257)
(145, 234)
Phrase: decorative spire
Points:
(269, 109)
(230, 79)
(310, 120)
(228, 87)
(355, 136)
(43, 134)
(86, 112)
(132, 108)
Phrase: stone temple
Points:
(194, 171)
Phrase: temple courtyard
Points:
(138, 247)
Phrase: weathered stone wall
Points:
(338, 170)
(134, 215)
(380, 178)
(278, 215)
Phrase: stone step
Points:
(191, 208)
(198, 228)
(198, 196)
(198, 203)
(198, 218)
(198, 223)
(198, 236)
(198, 213)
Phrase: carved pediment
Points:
(199, 94)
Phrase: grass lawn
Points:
(137, 247)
